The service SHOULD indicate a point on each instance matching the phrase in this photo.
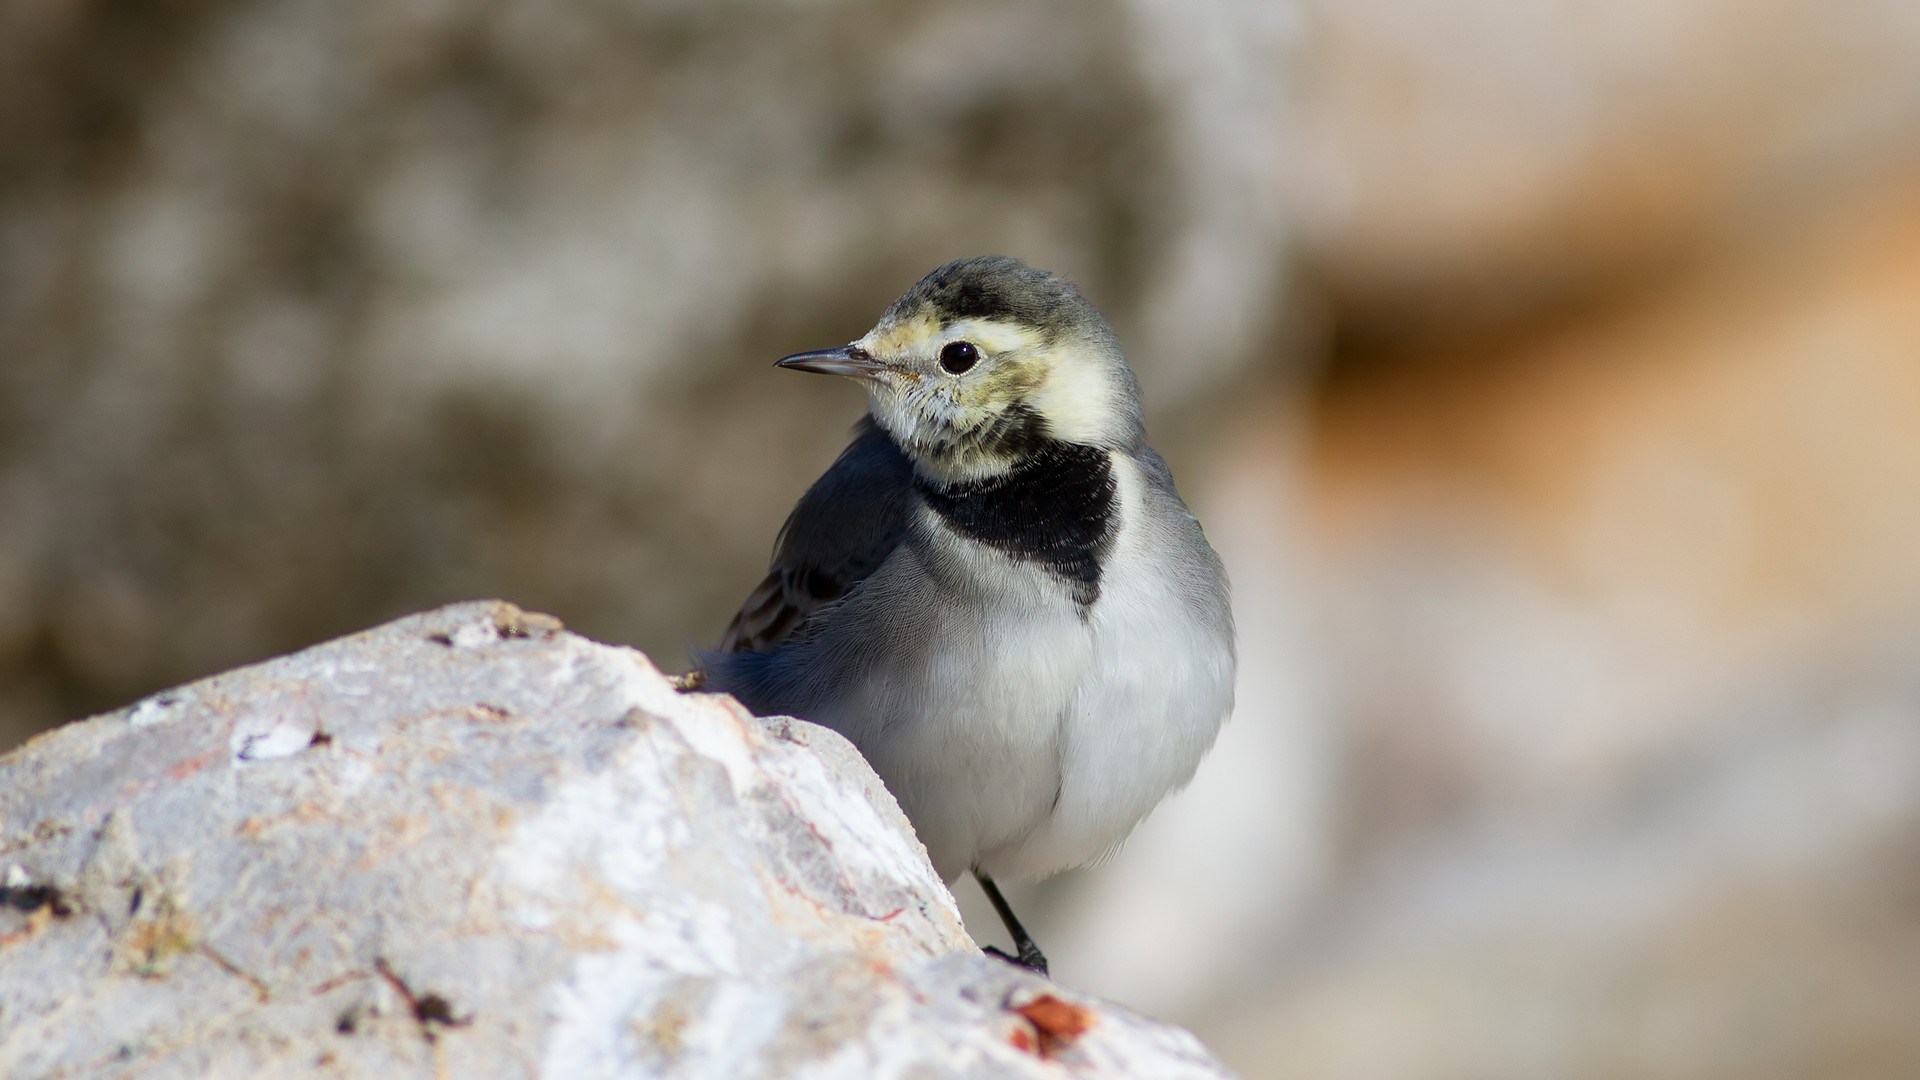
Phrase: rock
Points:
(469, 844)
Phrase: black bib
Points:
(1055, 507)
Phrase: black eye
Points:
(958, 356)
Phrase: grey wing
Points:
(842, 529)
(1178, 535)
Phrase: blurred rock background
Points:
(1548, 374)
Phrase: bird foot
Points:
(1029, 958)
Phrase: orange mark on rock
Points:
(1022, 1039)
(1057, 1023)
(180, 770)
(37, 921)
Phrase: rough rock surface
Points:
(469, 844)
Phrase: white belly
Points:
(1021, 734)
(1158, 687)
(974, 748)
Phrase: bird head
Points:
(982, 362)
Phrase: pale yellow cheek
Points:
(1000, 386)
(1071, 390)
(1078, 401)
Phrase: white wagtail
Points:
(995, 592)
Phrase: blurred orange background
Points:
(1548, 375)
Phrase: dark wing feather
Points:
(843, 528)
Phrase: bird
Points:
(995, 592)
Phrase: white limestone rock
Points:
(468, 844)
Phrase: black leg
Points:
(1029, 956)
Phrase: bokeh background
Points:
(1547, 372)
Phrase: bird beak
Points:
(849, 360)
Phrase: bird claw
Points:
(1029, 958)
